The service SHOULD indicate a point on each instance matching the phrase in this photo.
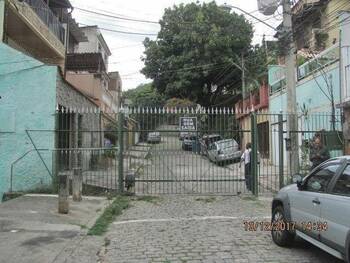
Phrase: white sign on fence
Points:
(188, 123)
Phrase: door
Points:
(306, 204)
(335, 212)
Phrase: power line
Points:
(116, 16)
(123, 32)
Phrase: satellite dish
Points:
(268, 7)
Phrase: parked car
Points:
(316, 208)
(224, 151)
(184, 134)
(188, 142)
(154, 137)
(206, 140)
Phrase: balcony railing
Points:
(324, 59)
(48, 17)
(258, 99)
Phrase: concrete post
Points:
(77, 186)
(63, 193)
(121, 152)
(292, 119)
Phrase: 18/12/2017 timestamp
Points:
(282, 226)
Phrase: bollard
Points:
(77, 184)
(63, 193)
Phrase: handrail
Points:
(16, 161)
(57, 149)
(48, 17)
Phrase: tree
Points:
(256, 63)
(180, 103)
(145, 95)
(195, 54)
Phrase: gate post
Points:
(281, 154)
(77, 185)
(63, 193)
(121, 151)
(254, 155)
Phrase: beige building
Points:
(87, 69)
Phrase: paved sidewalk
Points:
(31, 230)
(194, 229)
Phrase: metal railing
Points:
(48, 17)
(324, 59)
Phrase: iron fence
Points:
(178, 151)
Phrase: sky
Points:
(127, 49)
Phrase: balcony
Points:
(257, 100)
(48, 17)
(91, 62)
(324, 59)
(33, 28)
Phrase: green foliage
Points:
(145, 95)
(195, 54)
(111, 212)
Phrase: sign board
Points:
(188, 123)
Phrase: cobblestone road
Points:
(199, 229)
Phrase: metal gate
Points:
(198, 151)
(175, 153)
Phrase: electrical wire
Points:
(123, 32)
(116, 16)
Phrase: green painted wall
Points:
(28, 99)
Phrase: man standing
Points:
(318, 152)
(247, 166)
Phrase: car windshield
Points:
(227, 144)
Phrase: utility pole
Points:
(330, 78)
(292, 118)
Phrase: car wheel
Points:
(282, 238)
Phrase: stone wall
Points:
(86, 120)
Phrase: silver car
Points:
(316, 208)
(154, 137)
(207, 140)
(224, 151)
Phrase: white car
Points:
(224, 151)
(317, 209)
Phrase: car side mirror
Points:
(298, 179)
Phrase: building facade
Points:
(87, 69)
(28, 122)
(35, 36)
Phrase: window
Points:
(342, 186)
(318, 182)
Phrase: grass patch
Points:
(149, 199)
(111, 212)
(210, 199)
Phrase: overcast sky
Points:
(127, 49)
